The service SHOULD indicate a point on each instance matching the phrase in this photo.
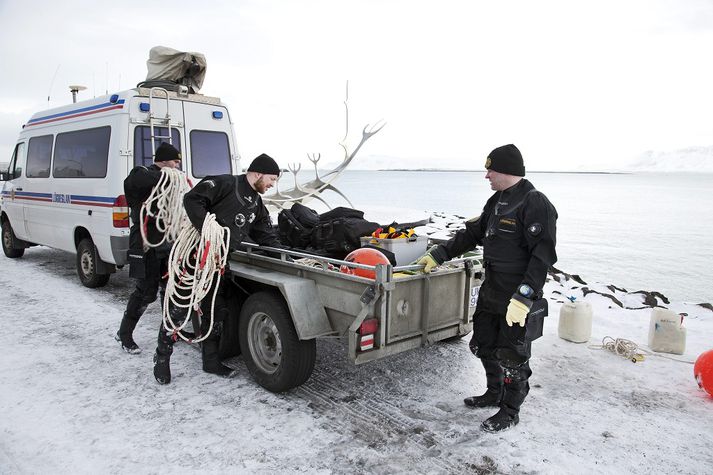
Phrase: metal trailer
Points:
(290, 304)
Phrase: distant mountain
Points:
(692, 159)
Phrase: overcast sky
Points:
(572, 84)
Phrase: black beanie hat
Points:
(166, 152)
(264, 163)
(506, 159)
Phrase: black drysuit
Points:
(235, 205)
(517, 230)
(238, 207)
(149, 267)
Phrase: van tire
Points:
(87, 258)
(275, 356)
(9, 242)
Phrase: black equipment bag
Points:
(341, 212)
(307, 216)
(292, 232)
(295, 225)
(340, 236)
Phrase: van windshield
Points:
(210, 153)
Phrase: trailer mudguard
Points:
(308, 315)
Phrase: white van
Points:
(64, 186)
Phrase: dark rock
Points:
(706, 305)
(587, 290)
(650, 298)
(614, 288)
(553, 271)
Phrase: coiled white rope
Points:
(195, 261)
(630, 350)
(167, 199)
(622, 347)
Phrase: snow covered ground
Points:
(73, 402)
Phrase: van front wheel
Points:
(9, 242)
(87, 258)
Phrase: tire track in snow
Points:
(348, 404)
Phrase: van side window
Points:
(210, 153)
(143, 155)
(39, 153)
(82, 153)
(17, 163)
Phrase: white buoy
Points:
(666, 331)
(575, 321)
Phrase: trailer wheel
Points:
(87, 258)
(276, 358)
(9, 242)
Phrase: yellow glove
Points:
(517, 312)
(428, 262)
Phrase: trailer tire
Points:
(87, 258)
(9, 242)
(275, 356)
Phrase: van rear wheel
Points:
(275, 356)
(87, 258)
(9, 242)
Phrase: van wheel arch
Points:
(87, 263)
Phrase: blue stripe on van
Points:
(100, 199)
(76, 111)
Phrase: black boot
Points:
(500, 421)
(162, 357)
(494, 394)
(516, 389)
(125, 335)
(211, 360)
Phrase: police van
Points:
(63, 187)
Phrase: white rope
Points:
(622, 347)
(630, 350)
(167, 199)
(196, 259)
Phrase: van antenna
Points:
(74, 90)
(106, 92)
(49, 93)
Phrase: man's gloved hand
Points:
(518, 309)
(427, 261)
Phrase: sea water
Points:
(643, 231)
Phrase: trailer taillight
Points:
(120, 212)
(367, 330)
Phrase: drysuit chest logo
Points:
(240, 219)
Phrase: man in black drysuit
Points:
(237, 205)
(147, 264)
(517, 230)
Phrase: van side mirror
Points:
(4, 176)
